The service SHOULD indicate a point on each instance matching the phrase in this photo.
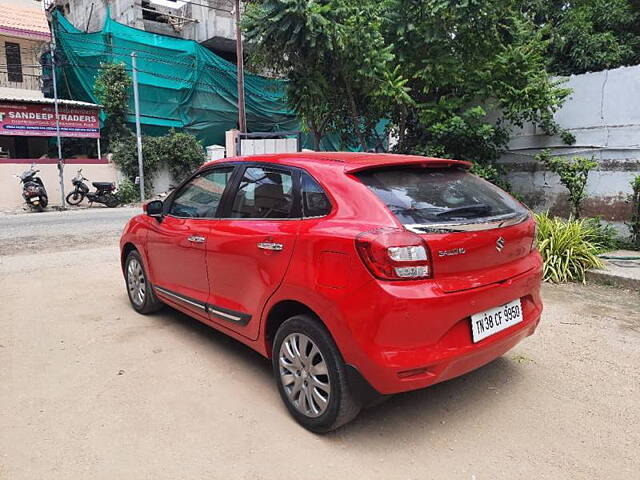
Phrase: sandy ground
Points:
(91, 390)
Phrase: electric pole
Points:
(58, 138)
(136, 103)
(242, 120)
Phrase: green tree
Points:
(463, 59)
(340, 70)
(590, 35)
(112, 91)
(432, 67)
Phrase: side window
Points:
(263, 193)
(314, 201)
(201, 196)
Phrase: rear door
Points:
(250, 246)
(476, 232)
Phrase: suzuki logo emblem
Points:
(499, 244)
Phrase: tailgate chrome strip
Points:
(489, 224)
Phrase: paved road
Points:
(91, 390)
(49, 231)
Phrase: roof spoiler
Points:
(425, 162)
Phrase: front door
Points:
(177, 244)
(250, 246)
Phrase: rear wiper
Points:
(476, 207)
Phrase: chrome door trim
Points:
(181, 298)
(238, 318)
(223, 314)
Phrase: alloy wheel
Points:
(304, 375)
(136, 282)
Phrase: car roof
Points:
(349, 161)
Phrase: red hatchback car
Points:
(359, 275)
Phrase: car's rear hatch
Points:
(477, 234)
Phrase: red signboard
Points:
(38, 120)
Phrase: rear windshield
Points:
(431, 196)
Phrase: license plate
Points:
(35, 200)
(494, 320)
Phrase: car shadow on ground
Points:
(459, 401)
(235, 350)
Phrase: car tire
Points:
(310, 384)
(141, 295)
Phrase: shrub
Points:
(128, 191)
(125, 156)
(492, 173)
(604, 235)
(573, 175)
(180, 152)
(634, 222)
(566, 248)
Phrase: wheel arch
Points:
(127, 248)
(281, 311)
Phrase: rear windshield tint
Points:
(432, 196)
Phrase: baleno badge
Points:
(449, 253)
(499, 244)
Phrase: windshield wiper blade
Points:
(476, 207)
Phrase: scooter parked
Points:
(104, 192)
(33, 191)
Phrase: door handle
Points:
(196, 239)
(270, 246)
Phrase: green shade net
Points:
(181, 84)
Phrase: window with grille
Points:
(14, 62)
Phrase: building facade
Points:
(24, 36)
(208, 22)
(27, 119)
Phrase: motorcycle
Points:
(33, 191)
(104, 192)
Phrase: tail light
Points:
(394, 254)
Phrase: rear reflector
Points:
(414, 373)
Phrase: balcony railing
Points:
(28, 79)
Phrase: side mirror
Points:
(154, 208)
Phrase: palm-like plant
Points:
(566, 248)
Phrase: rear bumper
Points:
(429, 339)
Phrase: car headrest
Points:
(270, 196)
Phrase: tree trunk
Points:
(402, 127)
(356, 119)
